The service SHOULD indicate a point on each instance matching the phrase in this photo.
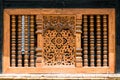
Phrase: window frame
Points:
(6, 41)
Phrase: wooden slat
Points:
(85, 40)
(19, 39)
(105, 41)
(13, 41)
(92, 55)
(26, 42)
(32, 41)
(98, 39)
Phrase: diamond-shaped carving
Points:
(59, 40)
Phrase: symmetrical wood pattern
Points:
(22, 41)
(95, 40)
(59, 41)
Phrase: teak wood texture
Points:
(59, 41)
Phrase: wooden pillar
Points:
(78, 42)
(39, 41)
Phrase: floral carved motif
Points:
(59, 41)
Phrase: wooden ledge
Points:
(58, 76)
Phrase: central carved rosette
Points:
(59, 40)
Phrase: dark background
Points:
(63, 4)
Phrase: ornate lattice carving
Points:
(59, 42)
(59, 23)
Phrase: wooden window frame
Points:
(6, 41)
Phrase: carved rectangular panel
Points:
(59, 41)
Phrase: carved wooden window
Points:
(59, 41)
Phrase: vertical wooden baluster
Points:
(98, 40)
(39, 21)
(92, 41)
(32, 41)
(26, 42)
(78, 42)
(85, 40)
(13, 41)
(105, 41)
(19, 41)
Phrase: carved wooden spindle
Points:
(105, 41)
(32, 41)
(78, 46)
(98, 39)
(39, 41)
(19, 41)
(92, 60)
(26, 42)
(13, 41)
(85, 40)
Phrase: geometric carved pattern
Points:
(59, 48)
(59, 44)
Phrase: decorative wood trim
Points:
(41, 69)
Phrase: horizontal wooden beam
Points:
(59, 4)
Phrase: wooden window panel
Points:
(90, 54)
